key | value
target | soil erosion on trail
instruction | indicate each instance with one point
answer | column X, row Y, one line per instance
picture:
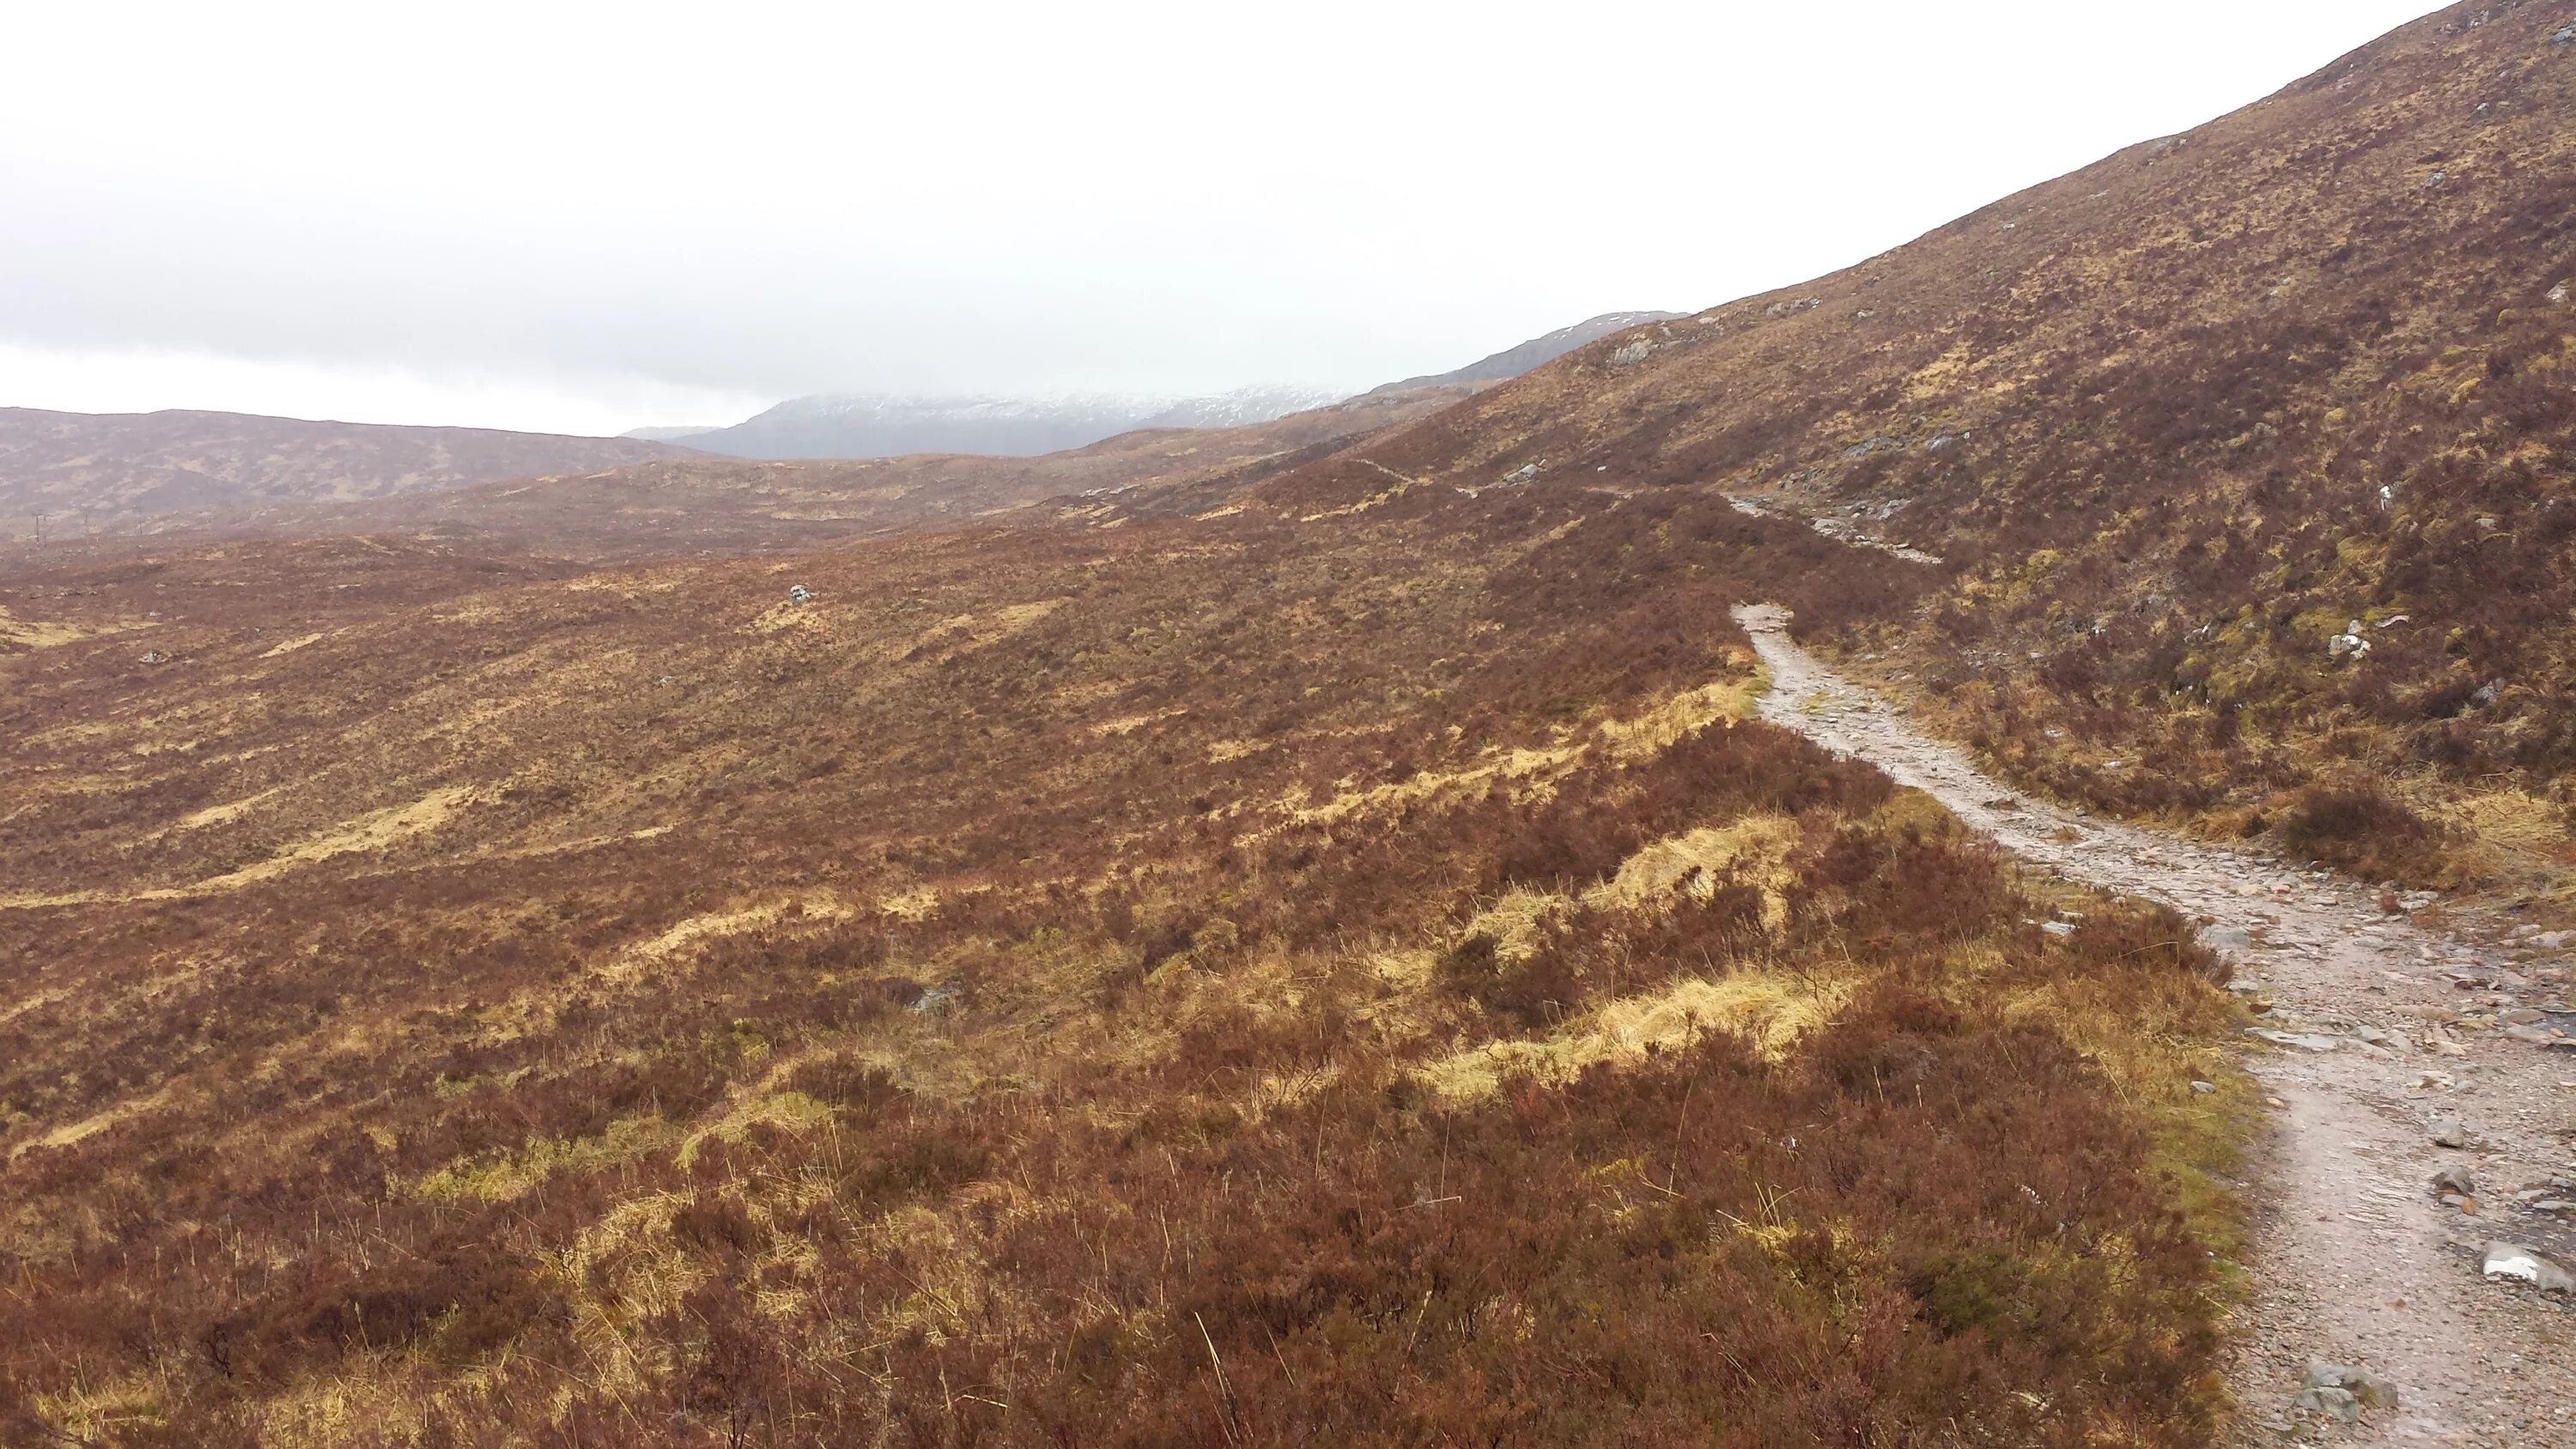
column 2357, row 1262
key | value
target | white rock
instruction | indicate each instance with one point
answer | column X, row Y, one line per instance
column 2514, row 1261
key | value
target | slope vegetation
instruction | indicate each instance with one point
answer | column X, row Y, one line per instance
column 1248, row 978
column 1316, row 947
column 2162, row 430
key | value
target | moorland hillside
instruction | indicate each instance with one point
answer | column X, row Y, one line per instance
column 1223, row 979
column 2162, row 430
column 1320, row 949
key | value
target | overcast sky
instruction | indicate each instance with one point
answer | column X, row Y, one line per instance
column 588, row 217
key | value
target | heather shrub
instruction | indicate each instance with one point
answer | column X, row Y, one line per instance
column 2353, row 822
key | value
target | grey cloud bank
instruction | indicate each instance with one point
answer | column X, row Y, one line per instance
column 571, row 214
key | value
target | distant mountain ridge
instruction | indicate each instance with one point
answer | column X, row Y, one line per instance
column 1511, row 362
column 117, row 471
column 889, row 425
column 882, row 425
column 666, row 435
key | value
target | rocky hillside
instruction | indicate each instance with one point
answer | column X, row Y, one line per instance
column 87, row 473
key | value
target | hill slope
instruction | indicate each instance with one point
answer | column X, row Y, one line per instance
column 109, row 473
column 1319, row 953
column 1375, row 953
column 2168, row 425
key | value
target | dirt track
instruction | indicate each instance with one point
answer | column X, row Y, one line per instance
column 2356, row 1261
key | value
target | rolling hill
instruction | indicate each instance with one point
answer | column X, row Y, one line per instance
column 698, row 505
column 87, row 473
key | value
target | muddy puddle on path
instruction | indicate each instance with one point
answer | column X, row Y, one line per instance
column 2386, row 1036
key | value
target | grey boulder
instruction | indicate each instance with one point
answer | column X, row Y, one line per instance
column 2516, row 1263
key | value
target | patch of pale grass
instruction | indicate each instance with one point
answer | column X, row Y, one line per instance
column 1770, row 1009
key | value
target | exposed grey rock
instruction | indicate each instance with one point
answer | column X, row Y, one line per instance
column 2227, row 938
column 2514, row 1262
column 2343, row 1404
column 799, row 594
column 2448, row 1132
column 2304, row 1041
column 2204, row 1088
column 2455, row 1180
column 2358, row 1384
column 2565, row 36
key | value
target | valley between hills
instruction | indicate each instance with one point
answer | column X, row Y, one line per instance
column 1977, row 851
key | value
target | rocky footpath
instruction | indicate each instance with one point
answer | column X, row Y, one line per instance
column 2410, row 1273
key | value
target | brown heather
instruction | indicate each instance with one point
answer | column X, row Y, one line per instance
column 1309, row 949
column 1214, row 981
column 2172, row 422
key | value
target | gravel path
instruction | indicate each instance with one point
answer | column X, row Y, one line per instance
column 2390, row 1035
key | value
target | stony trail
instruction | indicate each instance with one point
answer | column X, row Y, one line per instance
column 2390, row 1035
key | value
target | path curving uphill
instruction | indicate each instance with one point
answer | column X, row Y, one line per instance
column 2357, row 1262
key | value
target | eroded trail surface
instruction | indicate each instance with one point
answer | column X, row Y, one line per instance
column 2388, row 1040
